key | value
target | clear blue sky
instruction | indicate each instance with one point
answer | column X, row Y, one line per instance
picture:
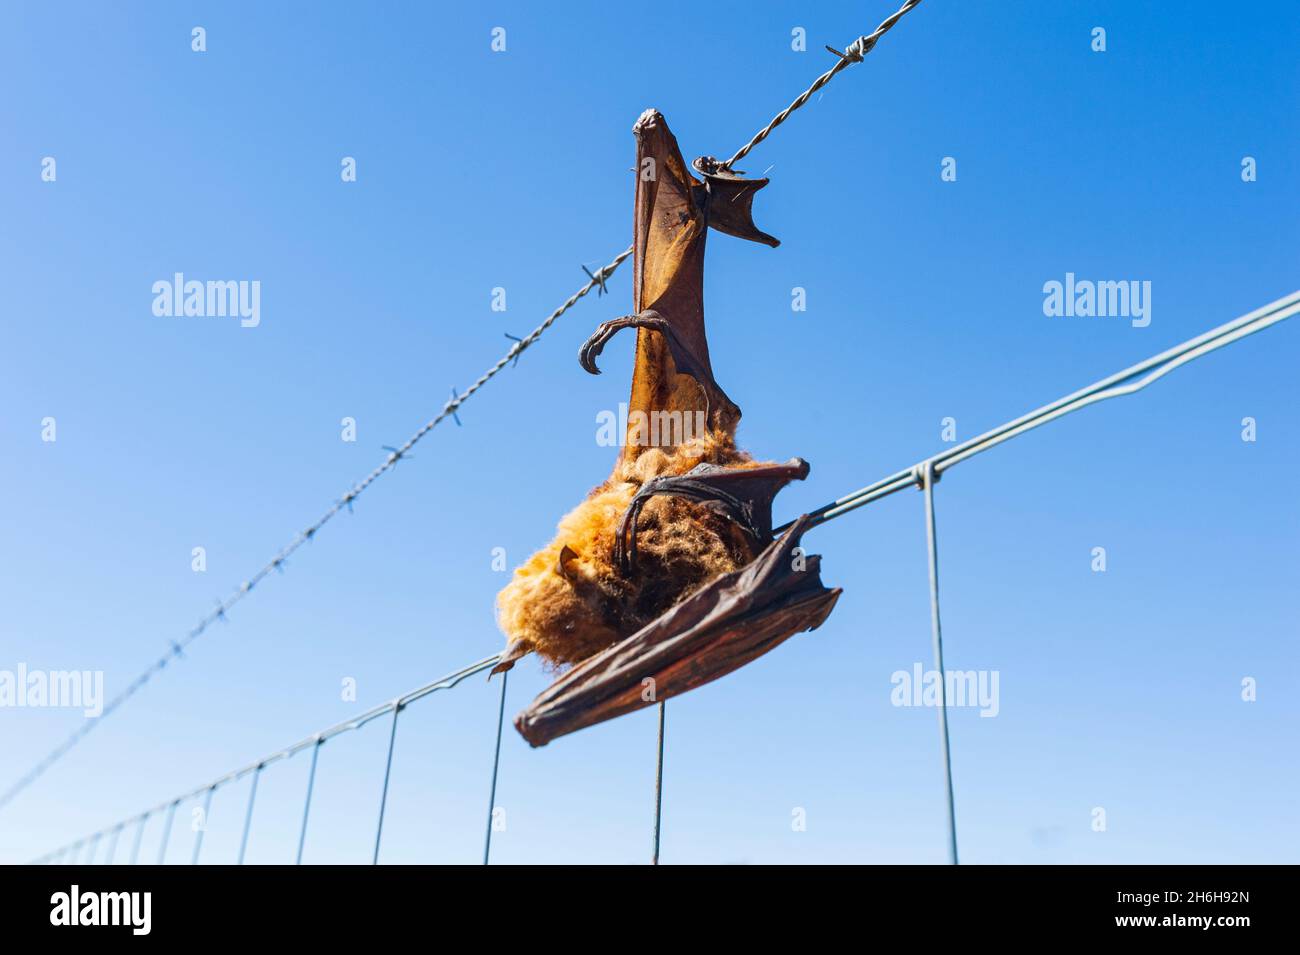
column 478, row 170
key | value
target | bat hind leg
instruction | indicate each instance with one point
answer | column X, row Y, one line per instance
column 744, row 495
column 685, row 360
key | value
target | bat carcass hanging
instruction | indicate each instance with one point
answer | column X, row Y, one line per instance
column 667, row 572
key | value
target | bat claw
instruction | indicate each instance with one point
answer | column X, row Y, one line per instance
column 683, row 358
column 509, row 656
column 594, row 345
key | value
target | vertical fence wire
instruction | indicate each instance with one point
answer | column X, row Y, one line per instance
column 139, row 834
column 167, row 831
column 659, row 785
column 388, row 772
column 496, row 763
column 306, row 807
column 203, row 825
column 112, row 844
column 936, row 633
column 248, row 816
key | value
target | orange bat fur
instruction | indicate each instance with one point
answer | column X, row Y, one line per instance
column 570, row 600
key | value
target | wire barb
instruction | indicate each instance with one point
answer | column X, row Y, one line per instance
column 394, row 455
column 598, row 278
column 451, row 406
column 516, row 351
column 853, row 53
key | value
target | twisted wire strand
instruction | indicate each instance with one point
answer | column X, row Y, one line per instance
column 853, row 53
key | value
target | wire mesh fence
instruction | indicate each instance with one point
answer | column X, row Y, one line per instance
column 923, row 475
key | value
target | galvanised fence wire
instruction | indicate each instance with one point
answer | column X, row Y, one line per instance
column 923, row 475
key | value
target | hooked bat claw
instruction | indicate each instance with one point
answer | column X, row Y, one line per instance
column 594, row 345
column 683, row 358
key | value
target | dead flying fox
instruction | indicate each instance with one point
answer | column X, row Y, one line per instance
column 666, row 576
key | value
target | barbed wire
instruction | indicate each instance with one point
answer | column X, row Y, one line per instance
column 276, row 564
column 852, row 54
